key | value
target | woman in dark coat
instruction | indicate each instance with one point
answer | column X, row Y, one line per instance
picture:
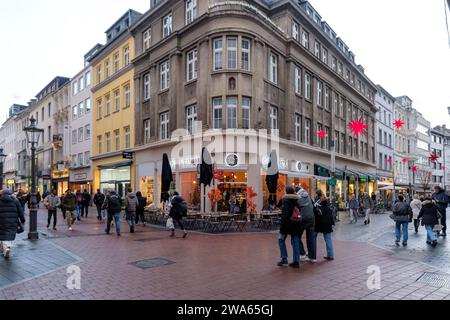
column 10, row 214
column 429, row 216
column 289, row 227
column 324, row 224
column 177, row 212
column 141, row 207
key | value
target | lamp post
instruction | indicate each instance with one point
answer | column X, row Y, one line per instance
column 2, row 160
column 33, row 133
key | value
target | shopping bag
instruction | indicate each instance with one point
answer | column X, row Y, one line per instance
column 437, row 228
column 169, row 224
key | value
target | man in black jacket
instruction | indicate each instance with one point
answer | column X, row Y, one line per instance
column 99, row 199
column 85, row 203
column 442, row 200
column 11, row 214
column 177, row 212
column 113, row 206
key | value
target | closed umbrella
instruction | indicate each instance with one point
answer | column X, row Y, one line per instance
column 272, row 177
column 206, row 173
column 166, row 178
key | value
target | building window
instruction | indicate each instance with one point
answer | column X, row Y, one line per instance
column 87, row 158
column 74, row 137
column 49, row 109
column 87, row 105
column 88, row 79
column 99, row 74
column 81, row 109
column 325, row 56
column 74, row 112
column 319, row 93
column 232, row 53
column 147, row 131
column 342, row 144
column 147, row 86
column 126, row 56
column 246, row 49
column 99, row 109
column 298, row 80
column 127, row 131
column 317, row 49
column 191, row 64
column 341, row 107
column 305, row 39
column 80, row 134
column 107, row 69
column 232, row 112
column 167, row 25
column 334, row 63
column 347, row 74
column 340, row 68
column 147, row 39
column 273, row 68
column 117, row 140
column 116, row 62
column 246, row 106
column 273, row 119
column 127, row 96
column 191, row 10
column 107, row 105
column 217, row 105
column 43, row 114
column 117, row 100
column 327, row 138
column 165, row 76
column 352, row 81
column 295, row 30
column 80, row 159
column 87, row 132
column 307, row 131
column 75, row 88
column 327, row 98
column 81, row 84
column 307, row 86
column 191, row 117
column 320, row 141
column 108, row 142
column 298, row 128
column 164, row 126
column 99, row 144
column 218, row 53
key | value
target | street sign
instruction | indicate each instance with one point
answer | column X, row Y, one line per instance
column 127, row 155
column 10, row 182
column 332, row 182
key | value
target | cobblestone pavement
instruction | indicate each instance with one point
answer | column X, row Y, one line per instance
column 232, row 266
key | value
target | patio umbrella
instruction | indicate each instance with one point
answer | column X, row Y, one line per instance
column 206, row 173
column 272, row 177
column 166, row 178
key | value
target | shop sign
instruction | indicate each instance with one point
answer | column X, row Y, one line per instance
column 10, row 182
column 232, row 160
column 188, row 162
column 80, row 177
column 127, row 155
column 300, row 167
column 332, row 182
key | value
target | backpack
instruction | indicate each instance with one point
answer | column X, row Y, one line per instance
column 79, row 198
column 114, row 204
column 132, row 204
column 296, row 215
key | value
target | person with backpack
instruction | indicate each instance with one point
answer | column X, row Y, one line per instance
column 402, row 215
column 11, row 215
column 52, row 203
column 429, row 213
column 307, row 225
column 99, row 199
column 141, row 208
column 114, row 208
column 79, row 208
column 353, row 207
column 69, row 204
column 131, row 206
column 178, row 210
column 324, row 224
column 290, row 225
column 85, row 203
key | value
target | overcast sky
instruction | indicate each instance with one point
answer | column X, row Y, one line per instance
column 402, row 44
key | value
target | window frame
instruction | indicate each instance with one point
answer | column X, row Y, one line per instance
column 232, row 109
column 164, row 72
column 191, row 118
column 167, row 22
column 192, row 63
column 246, row 112
column 164, row 122
column 218, row 52
column 191, row 11
column 146, row 88
column 273, row 68
column 215, row 108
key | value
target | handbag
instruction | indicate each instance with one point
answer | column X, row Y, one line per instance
column 170, row 225
column 20, row 228
column 296, row 215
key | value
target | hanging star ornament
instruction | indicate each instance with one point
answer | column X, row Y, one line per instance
column 399, row 124
column 405, row 160
column 433, row 157
column 322, row 134
column 443, row 167
column 389, row 160
column 414, row 169
column 358, row 127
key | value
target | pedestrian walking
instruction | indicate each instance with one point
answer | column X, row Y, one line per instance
column 114, row 208
column 367, row 206
column 131, row 206
column 69, row 204
column 52, row 202
column 11, row 217
column 429, row 213
column 307, row 226
column 353, row 206
column 178, row 210
column 324, row 223
column 416, row 206
column 86, row 203
column 99, row 199
column 442, row 200
column 141, row 208
column 290, row 225
column 22, row 197
column 79, row 207
column 63, row 209
column 402, row 216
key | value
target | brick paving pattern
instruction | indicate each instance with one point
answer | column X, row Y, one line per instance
column 232, row 266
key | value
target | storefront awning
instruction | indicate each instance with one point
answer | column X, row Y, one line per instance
column 115, row 165
column 324, row 171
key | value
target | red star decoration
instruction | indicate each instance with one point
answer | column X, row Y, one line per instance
column 433, row 157
column 399, row 124
column 414, row 169
column 389, row 160
column 405, row 160
column 358, row 127
column 443, row 167
column 322, row 134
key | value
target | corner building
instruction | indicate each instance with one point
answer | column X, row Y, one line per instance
column 261, row 65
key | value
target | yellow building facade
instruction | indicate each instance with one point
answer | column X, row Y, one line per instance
column 113, row 115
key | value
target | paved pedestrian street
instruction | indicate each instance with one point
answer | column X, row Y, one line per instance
column 151, row 265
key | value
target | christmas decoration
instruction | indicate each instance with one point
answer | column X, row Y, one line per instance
column 250, row 194
column 405, row 160
column 322, row 134
column 443, row 167
column 399, row 124
column 214, row 196
column 358, row 127
column 389, row 160
column 414, row 169
column 433, row 157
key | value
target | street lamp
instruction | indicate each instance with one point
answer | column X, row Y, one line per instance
column 2, row 160
column 33, row 133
